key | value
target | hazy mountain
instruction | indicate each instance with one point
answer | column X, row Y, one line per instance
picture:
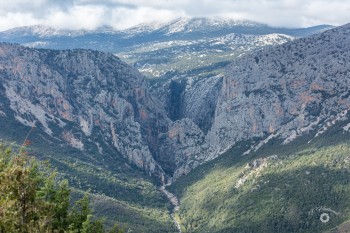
column 160, row 50
column 111, row 40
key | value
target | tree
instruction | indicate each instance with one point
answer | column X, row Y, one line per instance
column 33, row 200
column 22, row 209
column 92, row 226
column 116, row 229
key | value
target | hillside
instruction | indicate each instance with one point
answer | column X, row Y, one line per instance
column 63, row 95
column 298, row 187
column 278, row 92
column 285, row 111
column 285, row 90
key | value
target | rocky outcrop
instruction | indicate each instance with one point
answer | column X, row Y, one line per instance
column 278, row 92
column 76, row 95
column 200, row 100
column 285, row 90
column 183, row 147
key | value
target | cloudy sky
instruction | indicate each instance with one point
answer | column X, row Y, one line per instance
column 89, row 14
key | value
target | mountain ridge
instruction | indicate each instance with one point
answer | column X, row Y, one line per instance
column 276, row 92
column 186, row 24
column 273, row 65
column 46, row 37
column 206, row 129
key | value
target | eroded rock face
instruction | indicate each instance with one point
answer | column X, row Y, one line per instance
column 84, row 93
column 200, row 100
column 284, row 89
column 80, row 95
column 186, row 144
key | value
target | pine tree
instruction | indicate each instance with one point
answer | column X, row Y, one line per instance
column 32, row 199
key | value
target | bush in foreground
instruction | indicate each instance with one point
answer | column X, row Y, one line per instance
column 32, row 199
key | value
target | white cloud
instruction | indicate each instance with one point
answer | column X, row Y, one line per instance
column 16, row 19
column 125, row 17
column 87, row 17
column 90, row 14
column 333, row 12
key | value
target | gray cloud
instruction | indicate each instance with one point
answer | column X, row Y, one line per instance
column 90, row 14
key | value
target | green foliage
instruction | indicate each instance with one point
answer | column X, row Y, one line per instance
column 92, row 226
column 61, row 198
column 32, row 200
column 22, row 209
column 119, row 193
column 279, row 188
column 116, row 229
column 80, row 214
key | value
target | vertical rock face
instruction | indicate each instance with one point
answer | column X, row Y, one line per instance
column 183, row 147
column 285, row 89
column 282, row 91
column 76, row 95
column 200, row 101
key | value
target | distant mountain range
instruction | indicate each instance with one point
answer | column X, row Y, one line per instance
column 115, row 41
column 158, row 49
column 184, row 50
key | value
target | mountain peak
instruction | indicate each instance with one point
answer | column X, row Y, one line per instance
column 186, row 24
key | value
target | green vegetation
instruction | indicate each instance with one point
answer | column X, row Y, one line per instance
column 118, row 192
column 33, row 200
column 276, row 189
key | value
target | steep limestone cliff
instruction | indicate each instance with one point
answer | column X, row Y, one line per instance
column 284, row 90
column 75, row 95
